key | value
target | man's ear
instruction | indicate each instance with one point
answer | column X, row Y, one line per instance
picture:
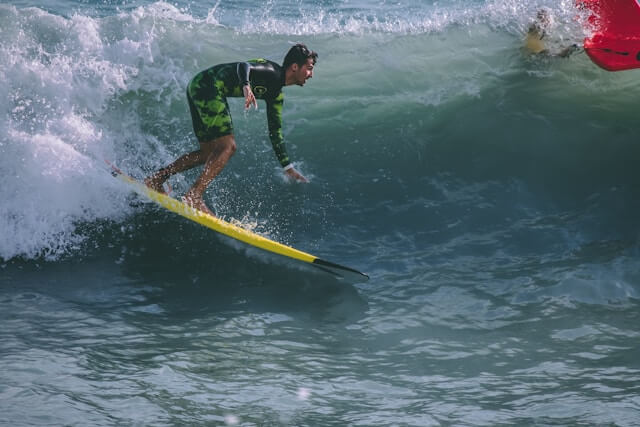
column 294, row 67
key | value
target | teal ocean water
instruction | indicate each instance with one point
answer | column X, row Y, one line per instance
column 491, row 196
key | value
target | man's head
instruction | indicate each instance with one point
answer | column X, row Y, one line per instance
column 541, row 24
column 543, row 19
column 298, row 64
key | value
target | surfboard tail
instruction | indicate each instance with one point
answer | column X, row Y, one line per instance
column 615, row 25
column 613, row 54
column 340, row 271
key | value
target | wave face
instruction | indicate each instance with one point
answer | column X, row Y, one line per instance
column 410, row 101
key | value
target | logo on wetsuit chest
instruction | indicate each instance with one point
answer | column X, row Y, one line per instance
column 259, row 90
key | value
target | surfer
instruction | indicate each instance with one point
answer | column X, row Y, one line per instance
column 535, row 39
column 207, row 97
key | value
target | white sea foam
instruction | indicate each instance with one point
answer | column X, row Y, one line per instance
column 59, row 75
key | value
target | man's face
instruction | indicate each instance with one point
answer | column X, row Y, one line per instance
column 304, row 72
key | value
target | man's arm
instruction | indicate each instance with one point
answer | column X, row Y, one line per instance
column 274, row 120
column 243, row 69
column 568, row 51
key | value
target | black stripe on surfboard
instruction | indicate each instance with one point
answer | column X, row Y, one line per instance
column 331, row 266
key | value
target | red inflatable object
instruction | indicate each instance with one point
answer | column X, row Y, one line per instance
column 615, row 43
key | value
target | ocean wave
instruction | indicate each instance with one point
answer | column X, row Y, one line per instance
column 437, row 92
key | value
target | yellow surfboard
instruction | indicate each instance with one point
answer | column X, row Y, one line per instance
column 236, row 232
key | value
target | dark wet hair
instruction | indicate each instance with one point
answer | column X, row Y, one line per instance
column 299, row 54
column 541, row 23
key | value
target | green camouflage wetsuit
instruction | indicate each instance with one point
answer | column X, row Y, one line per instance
column 208, row 91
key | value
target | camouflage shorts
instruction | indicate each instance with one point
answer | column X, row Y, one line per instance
column 209, row 109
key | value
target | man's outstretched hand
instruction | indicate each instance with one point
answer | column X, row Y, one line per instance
column 294, row 174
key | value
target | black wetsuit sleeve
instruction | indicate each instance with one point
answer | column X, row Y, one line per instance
column 274, row 120
column 243, row 69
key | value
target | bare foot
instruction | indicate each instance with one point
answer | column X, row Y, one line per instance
column 197, row 203
column 155, row 183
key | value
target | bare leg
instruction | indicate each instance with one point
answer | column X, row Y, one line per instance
column 218, row 152
column 183, row 163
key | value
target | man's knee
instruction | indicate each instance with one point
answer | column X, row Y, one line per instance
column 227, row 144
column 224, row 144
column 230, row 145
